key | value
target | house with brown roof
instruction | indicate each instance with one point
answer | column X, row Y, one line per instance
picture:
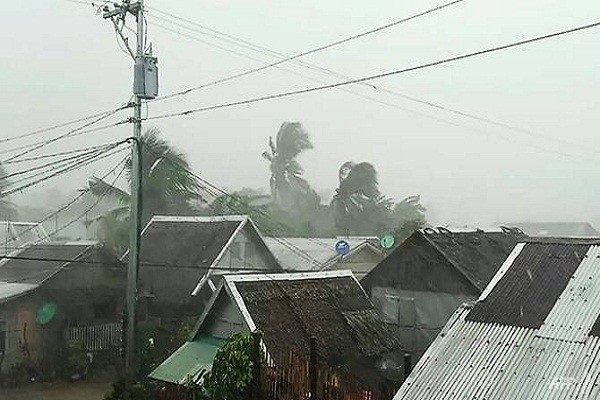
column 534, row 332
column 54, row 292
column 420, row 284
column 183, row 257
column 289, row 310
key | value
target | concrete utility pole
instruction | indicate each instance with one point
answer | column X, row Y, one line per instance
column 145, row 86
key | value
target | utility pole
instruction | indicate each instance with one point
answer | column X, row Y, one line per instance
column 145, row 86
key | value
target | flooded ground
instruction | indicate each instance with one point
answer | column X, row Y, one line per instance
column 84, row 390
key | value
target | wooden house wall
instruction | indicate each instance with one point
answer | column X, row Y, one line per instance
column 223, row 320
column 417, row 289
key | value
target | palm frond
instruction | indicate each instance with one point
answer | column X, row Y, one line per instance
column 292, row 139
column 361, row 179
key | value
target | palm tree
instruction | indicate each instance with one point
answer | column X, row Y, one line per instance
column 358, row 206
column 167, row 188
column 408, row 216
column 288, row 187
column 8, row 211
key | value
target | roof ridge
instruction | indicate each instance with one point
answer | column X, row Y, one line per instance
column 450, row 261
column 288, row 276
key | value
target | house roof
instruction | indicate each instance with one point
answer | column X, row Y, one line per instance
column 18, row 234
column 331, row 306
column 557, row 229
column 10, row 290
column 309, row 254
column 31, row 269
column 187, row 241
column 33, row 265
column 476, row 254
column 532, row 334
column 189, row 362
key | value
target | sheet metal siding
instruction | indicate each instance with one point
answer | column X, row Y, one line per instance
column 489, row 361
column 578, row 307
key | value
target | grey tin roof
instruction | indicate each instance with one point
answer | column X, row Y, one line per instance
column 308, row 254
column 486, row 359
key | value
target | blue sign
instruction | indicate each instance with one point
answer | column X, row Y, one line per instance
column 342, row 247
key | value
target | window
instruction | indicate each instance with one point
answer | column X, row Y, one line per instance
column 406, row 311
column 399, row 310
column 390, row 308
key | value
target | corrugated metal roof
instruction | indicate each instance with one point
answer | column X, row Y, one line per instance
column 478, row 360
column 307, row 254
column 188, row 363
column 32, row 268
column 475, row 254
column 563, row 229
column 532, row 284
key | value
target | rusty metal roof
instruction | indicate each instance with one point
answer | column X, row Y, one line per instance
column 488, row 358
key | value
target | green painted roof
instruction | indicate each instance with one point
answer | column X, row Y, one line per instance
column 189, row 361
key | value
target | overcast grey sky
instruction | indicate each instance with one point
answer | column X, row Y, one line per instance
column 61, row 61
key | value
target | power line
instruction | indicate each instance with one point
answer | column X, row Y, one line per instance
column 146, row 264
column 216, row 192
column 378, row 76
column 31, row 145
column 69, row 133
column 60, row 172
column 61, row 153
column 98, row 200
column 303, row 54
column 76, row 157
column 59, row 165
column 57, row 126
column 71, row 202
column 410, row 98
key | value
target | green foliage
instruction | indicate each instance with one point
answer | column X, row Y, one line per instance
column 183, row 333
column 139, row 391
column 77, row 360
column 234, row 368
column 358, row 207
column 408, row 216
column 288, row 188
column 167, row 188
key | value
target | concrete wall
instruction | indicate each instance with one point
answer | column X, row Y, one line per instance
column 19, row 321
column 85, row 294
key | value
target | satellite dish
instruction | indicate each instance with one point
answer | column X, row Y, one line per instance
column 46, row 313
column 342, row 247
column 387, row 242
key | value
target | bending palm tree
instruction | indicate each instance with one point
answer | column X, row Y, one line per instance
column 288, row 187
column 358, row 206
column 167, row 188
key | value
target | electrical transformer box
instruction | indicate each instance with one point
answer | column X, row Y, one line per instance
column 145, row 77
